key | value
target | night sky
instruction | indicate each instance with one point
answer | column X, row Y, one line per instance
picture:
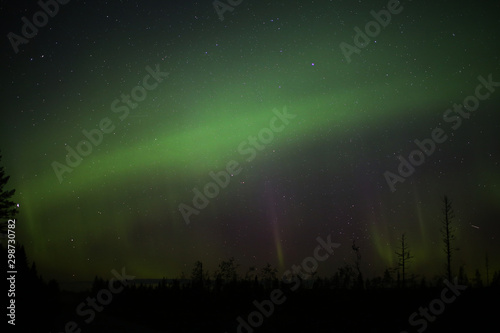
column 308, row 132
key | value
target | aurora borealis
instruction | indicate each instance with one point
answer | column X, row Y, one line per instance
column 322, row 174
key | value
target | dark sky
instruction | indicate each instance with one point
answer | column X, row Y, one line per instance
column 117, row 112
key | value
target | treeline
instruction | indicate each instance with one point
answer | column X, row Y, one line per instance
column 202, row 299
column 214, row 301
column 347, row 277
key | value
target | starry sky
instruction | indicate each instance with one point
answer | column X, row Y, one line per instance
column 214, row 89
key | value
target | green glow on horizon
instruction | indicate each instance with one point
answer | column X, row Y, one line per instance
column 120, row 205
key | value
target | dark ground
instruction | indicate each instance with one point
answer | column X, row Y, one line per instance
column 303, row 310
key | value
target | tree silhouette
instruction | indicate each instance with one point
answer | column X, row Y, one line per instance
column 251, row 273
column 447, row 233
column 495, row 282
column 357, row 264
column 35, row 302
column 344, row 278
column 403, row 258
column 462, row 276
column 387, row 280
column 226, row 273
column 227, row 270
column 478, row 281
column 198, row 275
column 268, row 272
column 7, row 207
column 268, row 275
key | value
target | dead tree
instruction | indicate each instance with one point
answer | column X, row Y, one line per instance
column 358, row 264
column 403, row 258
column 448, row 233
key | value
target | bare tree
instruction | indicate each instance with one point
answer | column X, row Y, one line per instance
column 448, row 233
column 403, row 258
column 357, row 264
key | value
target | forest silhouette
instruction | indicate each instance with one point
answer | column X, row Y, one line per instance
column 227, row 302
column 259, row 300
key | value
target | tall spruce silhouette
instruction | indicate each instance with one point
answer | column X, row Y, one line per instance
column 7, row 207
column 447, row 233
